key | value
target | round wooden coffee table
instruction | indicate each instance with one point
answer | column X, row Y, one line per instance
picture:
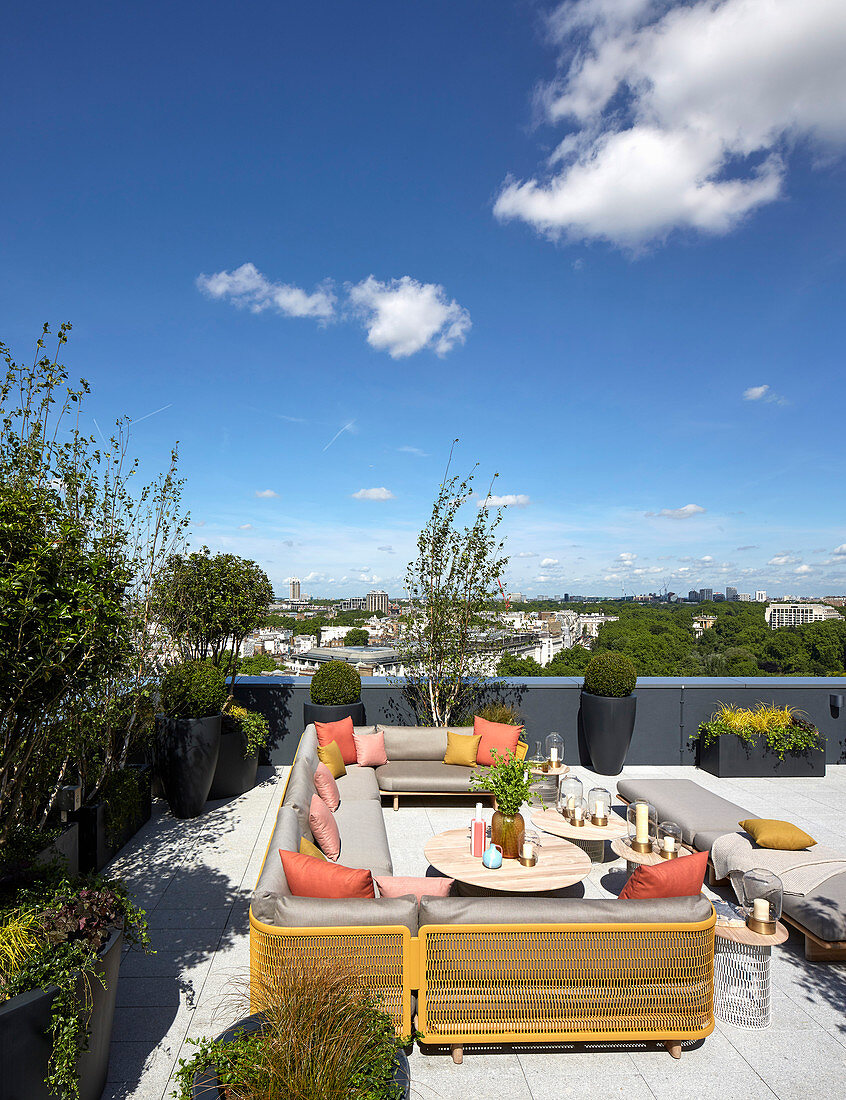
column 590, row 838
column 560, row 864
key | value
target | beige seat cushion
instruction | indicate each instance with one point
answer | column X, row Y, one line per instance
column 431, row 776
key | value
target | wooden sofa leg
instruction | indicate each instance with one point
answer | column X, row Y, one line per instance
column 674, row 1047
column 396, row 802
column 457, row 1052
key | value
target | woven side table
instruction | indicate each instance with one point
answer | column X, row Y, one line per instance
column 742, row 974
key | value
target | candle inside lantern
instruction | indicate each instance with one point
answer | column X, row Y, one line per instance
column 553, row 756
column 571, row 802
column 528, row 850
column 600, row 810
column 669, row 843
column 761, row 909
column 641, row 823
column 578, row 813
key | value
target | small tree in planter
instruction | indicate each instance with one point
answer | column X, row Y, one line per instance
column 188, row 734
column 607, row 710
column 335, row 693
column 243, row 734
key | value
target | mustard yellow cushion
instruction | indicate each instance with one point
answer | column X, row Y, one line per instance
column 521, row 750
column 776, row 834
column 331, row 756
column 309, row 849
column 462, row 749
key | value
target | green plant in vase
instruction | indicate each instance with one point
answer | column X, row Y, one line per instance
column 510, row 782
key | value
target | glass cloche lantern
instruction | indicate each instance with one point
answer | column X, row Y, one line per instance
column 669, row 839
column 763, row 894
column 599, row 805
column 643, row 825
column 555, row 750
column 570, row 791
column 579, row 813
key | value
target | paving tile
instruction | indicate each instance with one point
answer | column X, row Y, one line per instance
column 813, row 1065
column 155, row 992
column 165, row 917
column 494, row 1076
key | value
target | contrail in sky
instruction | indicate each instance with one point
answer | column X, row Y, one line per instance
column 341, row 431
column 155, row 411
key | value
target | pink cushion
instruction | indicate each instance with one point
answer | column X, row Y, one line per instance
column 326, row 787
column 391, row 886
column 673, row 878
column 370, row 749
column 325, row 828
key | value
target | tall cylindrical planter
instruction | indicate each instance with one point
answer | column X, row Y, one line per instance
column 608, row 724
column 234, row 773
column 315, row 712
column 186, row 757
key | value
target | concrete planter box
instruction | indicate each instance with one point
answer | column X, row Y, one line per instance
column 234, row 773
column 729, row 757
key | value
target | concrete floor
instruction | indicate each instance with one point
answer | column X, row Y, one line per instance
column 194, row 879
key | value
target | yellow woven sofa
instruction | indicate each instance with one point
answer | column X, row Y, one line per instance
column 487, row 970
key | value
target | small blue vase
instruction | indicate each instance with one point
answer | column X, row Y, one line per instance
column 492, row 857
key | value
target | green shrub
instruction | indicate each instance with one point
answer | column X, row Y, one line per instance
column 500, row 712
column 335, row 684
column 256, row 665
column 610, row 674
column 782, row 728
column 252, row 726
column 123, row 796
column 194, row 689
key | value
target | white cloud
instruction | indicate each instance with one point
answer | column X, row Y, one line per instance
column 840, row 551
column 532, row 554
column 547, row 563
column 781, row 559
column 380, row 493
column 803, row 569
column 764, row 393
column 626, row 555
column 510, row 500
column 707, row 558
column 685, row 512
column 683, row 113
column 416, row 451
column 404, row 316
column 266, row 494
column 245, row 527
column 202, row 523
column 247, row 288
column 386, row 549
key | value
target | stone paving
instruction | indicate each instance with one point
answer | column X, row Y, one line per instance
column 194, row 878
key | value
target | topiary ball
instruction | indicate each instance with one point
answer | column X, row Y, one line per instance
column 610, row 674
column 194, row 689
column 335, row 684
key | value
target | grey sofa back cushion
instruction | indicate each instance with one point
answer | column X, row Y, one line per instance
column 415, row 742
column 529, row 910
column 300, row 788
column 272, row 883
column 291, row 912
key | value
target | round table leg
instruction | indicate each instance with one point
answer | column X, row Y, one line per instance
column 593, row 849
column 742, row 984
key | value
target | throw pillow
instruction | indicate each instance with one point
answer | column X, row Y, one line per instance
column 521, row 750
column 672, row 878
column 391, row 886
column 309, row 849
column 495, row 735
column 342, row 732
column 330, row 755
column 325, row 828
column 314, row 878
column 462, row 749
column 370, row 749
column 326, row 787
column 776, row 834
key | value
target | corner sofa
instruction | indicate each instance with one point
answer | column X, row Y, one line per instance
column 703, row 816
column 479, row 969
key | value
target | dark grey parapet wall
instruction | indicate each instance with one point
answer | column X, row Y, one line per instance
column 669, row 709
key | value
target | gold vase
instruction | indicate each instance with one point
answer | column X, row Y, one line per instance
column 507, row 831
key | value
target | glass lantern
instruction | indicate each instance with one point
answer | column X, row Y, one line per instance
column 599, row 805
column 669, row 839
column 579, row 814
column 529, row 848
column 762, row 897
column 555, row 750
column 643, row 825
column 569, row 791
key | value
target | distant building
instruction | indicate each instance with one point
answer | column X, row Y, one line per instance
column 796, row 614
column 693, row 596
column 744, row 597
column 295, row 588
column 702, row 623
column 354, row 603
column 731, row 593
column 761, row 596
column 377, row 601
column 706, row 594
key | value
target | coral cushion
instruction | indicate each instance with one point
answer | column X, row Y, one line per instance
column 370, row 749
column 326, row 787
column 324, row 827
column 462, row 749
column 309, row 849
column 495, row 735
column 342, row 732
column 314, row 878
column 330, row 755
column 672, row 878
column 391, row 886
column 776, row 834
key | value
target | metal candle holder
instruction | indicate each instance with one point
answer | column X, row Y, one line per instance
column 527, row 862
column 641, row 846
column 667, row 855
column 601, row 822
column 762, row 927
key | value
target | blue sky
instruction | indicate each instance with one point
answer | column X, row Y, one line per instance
column 601, row 243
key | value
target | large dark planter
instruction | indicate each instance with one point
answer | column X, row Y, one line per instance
column 233, row 775
column 26, row 1044
column 186, row 758
column 65, row 848
column 96, row 844
column 314, row 712
column 729, row 756
column 608, row 724
column 207, row 1084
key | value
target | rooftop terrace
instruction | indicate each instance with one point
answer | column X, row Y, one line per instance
column 195, row 879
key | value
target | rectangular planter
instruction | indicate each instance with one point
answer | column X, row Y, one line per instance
column 96, row 847
column 65, row 847
column 729, row 757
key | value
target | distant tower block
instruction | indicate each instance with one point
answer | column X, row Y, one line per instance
column 295, row 588
column 377, row 601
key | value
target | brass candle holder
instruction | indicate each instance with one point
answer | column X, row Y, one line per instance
column 641, row 846
column 530, row 862
column 664, row 854
column 762, row 927
column 600, row 822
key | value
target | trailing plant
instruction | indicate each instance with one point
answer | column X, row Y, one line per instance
column 509, row 781
column 783, row 728
column 335, row 684
column 610, row 674
column 194, row 689
column 252, row 726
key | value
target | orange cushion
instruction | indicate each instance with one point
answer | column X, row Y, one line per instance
column 495, row 735
column 315, row 878
column 342, row 732
column 324, row 827
column 326, row 787
column 672, row 878
column 396, row 886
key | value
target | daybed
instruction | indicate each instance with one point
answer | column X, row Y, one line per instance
column 481, row 970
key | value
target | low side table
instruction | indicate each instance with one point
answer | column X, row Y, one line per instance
column 590, row 838
column 742, row 974
column 620, row 847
